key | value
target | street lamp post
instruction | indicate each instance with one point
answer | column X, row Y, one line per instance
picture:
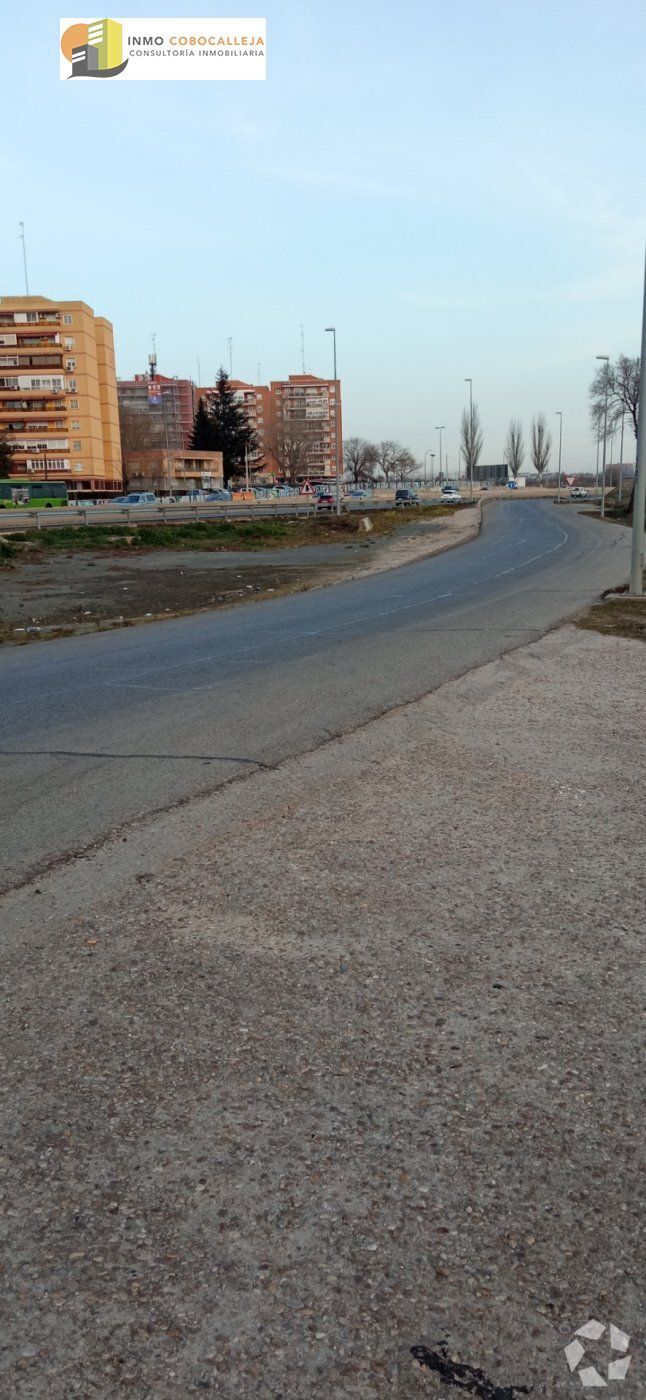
column 560, row 418
column 331, row 330
column 427, row 453
column 470, row 461
column 605, row 434
column 439, row 428
column 639, row 497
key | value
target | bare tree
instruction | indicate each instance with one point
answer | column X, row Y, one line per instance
column 405, row 465
column 621, row 378
column 386, row 457
column 471, row 439
column 515, row 447
column 290, row 446
column 138, row 432
column 359, row 458
column 541, row 444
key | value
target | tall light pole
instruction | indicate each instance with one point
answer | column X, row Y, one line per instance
column 439, row 428
column 331, row 330
column 560, row 418
column 605, row 434
column 470, row 461
column 427, row 453
column 639, row 498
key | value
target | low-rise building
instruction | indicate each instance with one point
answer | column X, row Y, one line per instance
column 169, row 472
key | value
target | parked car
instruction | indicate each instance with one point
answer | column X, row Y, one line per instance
column 138, row 498
column 405, row 497
column 357, row 492
column 219, row 495
column 451, row 495
column 325, row 501
column 578, row 493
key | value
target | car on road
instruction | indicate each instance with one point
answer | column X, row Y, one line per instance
column 578, row 493
column 325, row 501
column 138, row 498
column 405, row 497
column 451, row 495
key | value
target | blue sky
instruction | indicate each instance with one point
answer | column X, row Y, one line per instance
column 458, row 188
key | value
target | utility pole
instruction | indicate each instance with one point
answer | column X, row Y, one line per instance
column 439, row 428
column 21, row 236
column 639, row 498
column 560, row 418
column 605, row 434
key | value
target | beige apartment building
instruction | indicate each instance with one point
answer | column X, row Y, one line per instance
column 58, row 394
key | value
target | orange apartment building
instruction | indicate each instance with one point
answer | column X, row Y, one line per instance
column 303, row 406
column 58, row 393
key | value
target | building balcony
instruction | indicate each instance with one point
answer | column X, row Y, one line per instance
column 9, row 407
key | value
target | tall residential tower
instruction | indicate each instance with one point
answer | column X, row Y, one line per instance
column 58, row 393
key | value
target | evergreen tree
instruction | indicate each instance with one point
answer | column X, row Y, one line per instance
column 232, row 435
column 203, row 435
column 6, row 455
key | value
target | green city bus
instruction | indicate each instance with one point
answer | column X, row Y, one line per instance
column 19, row 492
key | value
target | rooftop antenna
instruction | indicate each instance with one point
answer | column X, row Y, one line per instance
column 230, row 345
column 258, row 368
column 303, row 348
column 152, row 359
column 21, row 236
column 199, row 372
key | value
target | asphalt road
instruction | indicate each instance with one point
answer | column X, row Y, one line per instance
column 102, row 729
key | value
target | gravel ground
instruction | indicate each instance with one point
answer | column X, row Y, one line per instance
column 342, row 1062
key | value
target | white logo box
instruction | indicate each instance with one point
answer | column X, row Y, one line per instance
column 177, row 49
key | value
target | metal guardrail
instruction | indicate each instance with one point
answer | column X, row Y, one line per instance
column 53, row 518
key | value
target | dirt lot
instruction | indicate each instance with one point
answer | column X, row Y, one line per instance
column 114, row 581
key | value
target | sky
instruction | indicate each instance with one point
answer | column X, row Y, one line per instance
column 458, row 188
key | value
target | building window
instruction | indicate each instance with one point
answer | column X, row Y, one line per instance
column 76, row 423
column 69, row 342
column 77, row 446
column 71, row 384
column 67, row 319
column 32, row 316
column 70, row 364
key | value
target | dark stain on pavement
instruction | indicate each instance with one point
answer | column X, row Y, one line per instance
column 464, row 1377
